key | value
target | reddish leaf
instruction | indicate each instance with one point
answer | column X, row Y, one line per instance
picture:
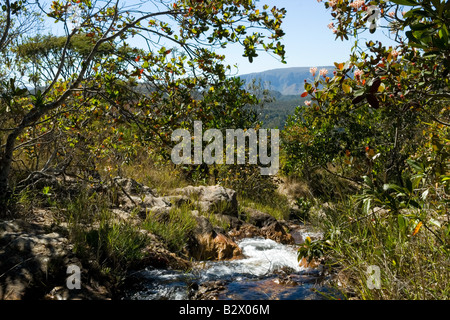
column 375, row 85
column 304, row 94
column 373, row 101
column 358, row 99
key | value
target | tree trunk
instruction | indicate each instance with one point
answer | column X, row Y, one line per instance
column 7, row 154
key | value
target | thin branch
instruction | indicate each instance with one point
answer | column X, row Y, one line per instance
column 4, row 38
column 30, row 142
column 340, row 176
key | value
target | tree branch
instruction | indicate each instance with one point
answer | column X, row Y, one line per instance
column 3, row 40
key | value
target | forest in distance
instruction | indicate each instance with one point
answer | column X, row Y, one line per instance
column 93, row 205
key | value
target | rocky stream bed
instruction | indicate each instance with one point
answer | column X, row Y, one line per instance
column 255, row 258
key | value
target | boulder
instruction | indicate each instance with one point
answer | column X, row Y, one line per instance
column 276, row 232
column 134, row 195
column 214, row 199
column 208, row 290
column 258, row 218
column 207, row 243
column 29, row 260
column 247, row 230
column 132, row 187
column 261, row 224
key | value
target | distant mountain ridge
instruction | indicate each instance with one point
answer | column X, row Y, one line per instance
column 287, row 81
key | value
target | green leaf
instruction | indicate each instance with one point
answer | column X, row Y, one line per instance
column 346, row 88
column 391, row 186
column 405, row 2
column 425, row 194
column 418, row 167
column 419, row 26
column 366, row 206
column 402, row 223
column 416, row 12
column 368, row 181
column 409, row 185
column 443, row 34
column 414, row 204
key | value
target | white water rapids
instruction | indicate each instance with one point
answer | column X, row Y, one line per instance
column 252, row 277
column 261, row 257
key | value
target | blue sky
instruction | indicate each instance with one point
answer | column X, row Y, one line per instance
column 308, row 40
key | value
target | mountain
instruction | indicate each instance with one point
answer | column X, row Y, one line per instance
column 287, row 81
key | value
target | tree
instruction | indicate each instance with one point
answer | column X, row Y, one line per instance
column 175, row 59
column 375, row 111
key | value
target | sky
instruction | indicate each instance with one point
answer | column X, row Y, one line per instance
column 308, row 41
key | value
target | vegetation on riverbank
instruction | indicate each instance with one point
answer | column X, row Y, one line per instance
column 385, row 130
column 368, row 149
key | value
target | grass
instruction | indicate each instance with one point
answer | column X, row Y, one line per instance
column 411, row 266
column 147, row 169
column 110, row 245
column 276, row 205
column 174, row 228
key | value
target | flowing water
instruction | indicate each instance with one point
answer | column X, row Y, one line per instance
column 268, row 270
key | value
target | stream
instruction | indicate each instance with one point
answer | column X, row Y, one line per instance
column 267, row 271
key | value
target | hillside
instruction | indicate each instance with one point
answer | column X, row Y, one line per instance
column 287, row 81
column 285, row 86
column 275, row 113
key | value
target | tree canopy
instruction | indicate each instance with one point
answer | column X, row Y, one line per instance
column 150, row 64
column 384, row 104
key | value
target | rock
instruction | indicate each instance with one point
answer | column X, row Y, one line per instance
column 230, row 221
column 122, row 216
column 215, row 199
column 29, row 259
column 276, row 232
column 132, row 187
column 209, row 290
column 273, row 231
column 134, row 195
column 258, row 218
column 317, row 213
column 34, row 261
column 314, row 263
column 261, row 224
column 246, row 230
column 208, row 244
column 158, row 256
column 177, row 200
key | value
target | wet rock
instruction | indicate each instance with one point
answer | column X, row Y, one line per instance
column 261, row 224
column 313, row 264
column 276, row 232
column 247, row 230
column 209, row 290
column 273, row 231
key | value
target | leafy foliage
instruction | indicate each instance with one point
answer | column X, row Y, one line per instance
column 381, row 121
column 92, row 80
